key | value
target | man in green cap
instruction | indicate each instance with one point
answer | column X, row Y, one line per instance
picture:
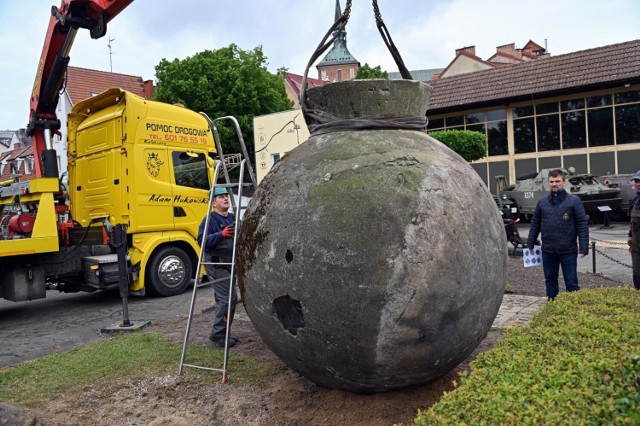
column 218, row 247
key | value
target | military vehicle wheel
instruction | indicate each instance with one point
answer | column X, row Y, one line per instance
column 169, row 272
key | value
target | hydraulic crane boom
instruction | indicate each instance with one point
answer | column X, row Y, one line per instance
column 63, row 26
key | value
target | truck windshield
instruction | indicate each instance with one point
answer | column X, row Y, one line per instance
column 190, row 170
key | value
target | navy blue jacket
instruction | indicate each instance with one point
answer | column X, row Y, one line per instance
column 217, row 223
column 561, row 219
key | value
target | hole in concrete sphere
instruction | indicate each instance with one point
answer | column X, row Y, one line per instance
column 289, row 312
column 288, row 256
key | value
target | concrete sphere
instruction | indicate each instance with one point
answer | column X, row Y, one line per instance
column 372, row 260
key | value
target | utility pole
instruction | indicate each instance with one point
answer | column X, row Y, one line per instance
column 110, row 53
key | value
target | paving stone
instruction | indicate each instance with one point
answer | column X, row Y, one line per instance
column 517, row 310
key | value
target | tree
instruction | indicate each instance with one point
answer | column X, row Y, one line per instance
column 366, row 73
column 227, row 81
column 468, row 144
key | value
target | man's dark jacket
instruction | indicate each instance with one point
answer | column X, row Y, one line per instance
column 561, row 219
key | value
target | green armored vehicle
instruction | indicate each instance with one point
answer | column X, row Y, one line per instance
column 528, row 189
column 627, row 191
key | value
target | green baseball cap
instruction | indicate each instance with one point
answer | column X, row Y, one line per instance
column 220, row 191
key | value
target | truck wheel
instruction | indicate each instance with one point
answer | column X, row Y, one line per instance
column 169, row 272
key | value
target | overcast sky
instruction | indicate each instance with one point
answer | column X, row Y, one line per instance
column 425, row 32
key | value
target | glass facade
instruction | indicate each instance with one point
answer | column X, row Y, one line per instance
column 546, row 131
column 493, row 124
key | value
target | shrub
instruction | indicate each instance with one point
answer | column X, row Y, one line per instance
column 577, row 362
column 468, row 144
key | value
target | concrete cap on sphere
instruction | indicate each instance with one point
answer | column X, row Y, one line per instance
column 370, row 98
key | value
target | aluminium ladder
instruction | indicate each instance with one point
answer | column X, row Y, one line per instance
column 226, row 166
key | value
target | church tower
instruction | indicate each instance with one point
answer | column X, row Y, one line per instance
column 338, row 64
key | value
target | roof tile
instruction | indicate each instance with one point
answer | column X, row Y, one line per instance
column 84, row 83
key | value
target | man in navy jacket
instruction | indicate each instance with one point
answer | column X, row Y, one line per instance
column 561, row 219
column 218, row 248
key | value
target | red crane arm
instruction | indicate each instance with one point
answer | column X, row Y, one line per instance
column 63, row 26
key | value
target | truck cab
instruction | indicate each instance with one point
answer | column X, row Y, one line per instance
column 141, row 164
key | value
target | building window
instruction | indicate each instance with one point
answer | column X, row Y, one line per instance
column 28, row 165
column 339, row 75
column 573, row 123
column 497, row 138
column 599, row 101
column 572, row 104
column 628, row 124
column 524, row 135
column 573, row 130
column 548, row 132
column 627, row 97
column 522, row 111
column 453, row 122
column 492, row 124
column 476, row 117
column 436, row 124
column 547, row 108
column 600, row 126
column 274, row 159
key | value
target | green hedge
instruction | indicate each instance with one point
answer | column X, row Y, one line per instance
column 576, row 363
column 468, row 144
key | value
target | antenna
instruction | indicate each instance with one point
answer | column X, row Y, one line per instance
column 110, row 53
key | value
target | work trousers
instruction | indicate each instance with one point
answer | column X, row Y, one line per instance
column 551, row 263
column 221, row 290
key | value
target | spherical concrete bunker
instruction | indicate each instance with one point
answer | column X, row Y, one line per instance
column 372, row 260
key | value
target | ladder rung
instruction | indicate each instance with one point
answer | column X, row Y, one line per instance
column 199, row 367
column 233, row 185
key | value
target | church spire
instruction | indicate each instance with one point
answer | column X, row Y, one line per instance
column 338, row 55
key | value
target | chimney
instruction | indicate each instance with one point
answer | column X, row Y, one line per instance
column 507, row 48
column 468, row 49
column 149, row 89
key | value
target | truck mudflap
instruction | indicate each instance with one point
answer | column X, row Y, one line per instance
column 24, row 283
